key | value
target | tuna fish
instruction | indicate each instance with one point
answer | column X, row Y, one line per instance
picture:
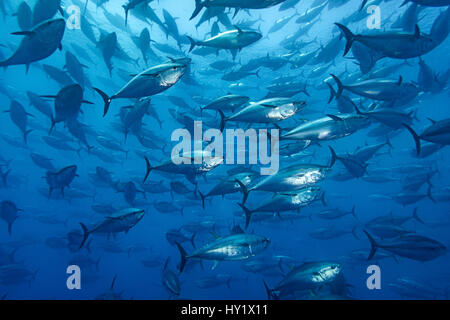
column 392, row 45
column 233, row 40
column 121, row 221
column 60, row 179
column 20, row 118
column 414, row 247
column 37, row 44
column 236, row 4
column 235, row 247
column 147, row 83
column 438, row 132
column 8, row 213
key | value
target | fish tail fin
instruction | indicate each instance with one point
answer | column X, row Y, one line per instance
column 332, row 92
column 357, row 110
column 85, row 234
column 305, row 90
column 149, row 168
column 268, row 291
column 404, row 2
column 388, row 142
column 429, row 193
column 198, row 7
column 52, row 125
column 88, row 248
column 363, row 4
column 183, row 256
column 223, row 119
column 203, row 197
column 193, row 43
column 339, row 84
column 126, row 13
column 349, row 37
column 333, row 157
column 106, row 100
column 33, row 276
column 355, row 235
column 113, row 282
column 322, row 198
column 97, row 263
column 244, row 190
column 270, row 294
column 415, row 136
column 374, row 245
column 229, row 283
column 25, row 135
column 5, row 177
column 11, row 256
column 10, row 227
column 248, row 214
column 192, row 239
column 353, row 212
column 416, row 216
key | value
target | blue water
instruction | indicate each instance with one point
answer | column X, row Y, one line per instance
column 43, row 219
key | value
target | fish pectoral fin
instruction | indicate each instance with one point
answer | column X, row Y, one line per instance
column 269, row 106
column 154, row 75
column 216, row 263
column 23, row 33
column 335, row 118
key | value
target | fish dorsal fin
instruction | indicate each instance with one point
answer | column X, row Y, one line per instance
column 432, row 121
column 335, row 118
column 239, row 30
column 237, row 230
column 214, row 235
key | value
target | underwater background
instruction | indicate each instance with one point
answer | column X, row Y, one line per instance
column 46, row 233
